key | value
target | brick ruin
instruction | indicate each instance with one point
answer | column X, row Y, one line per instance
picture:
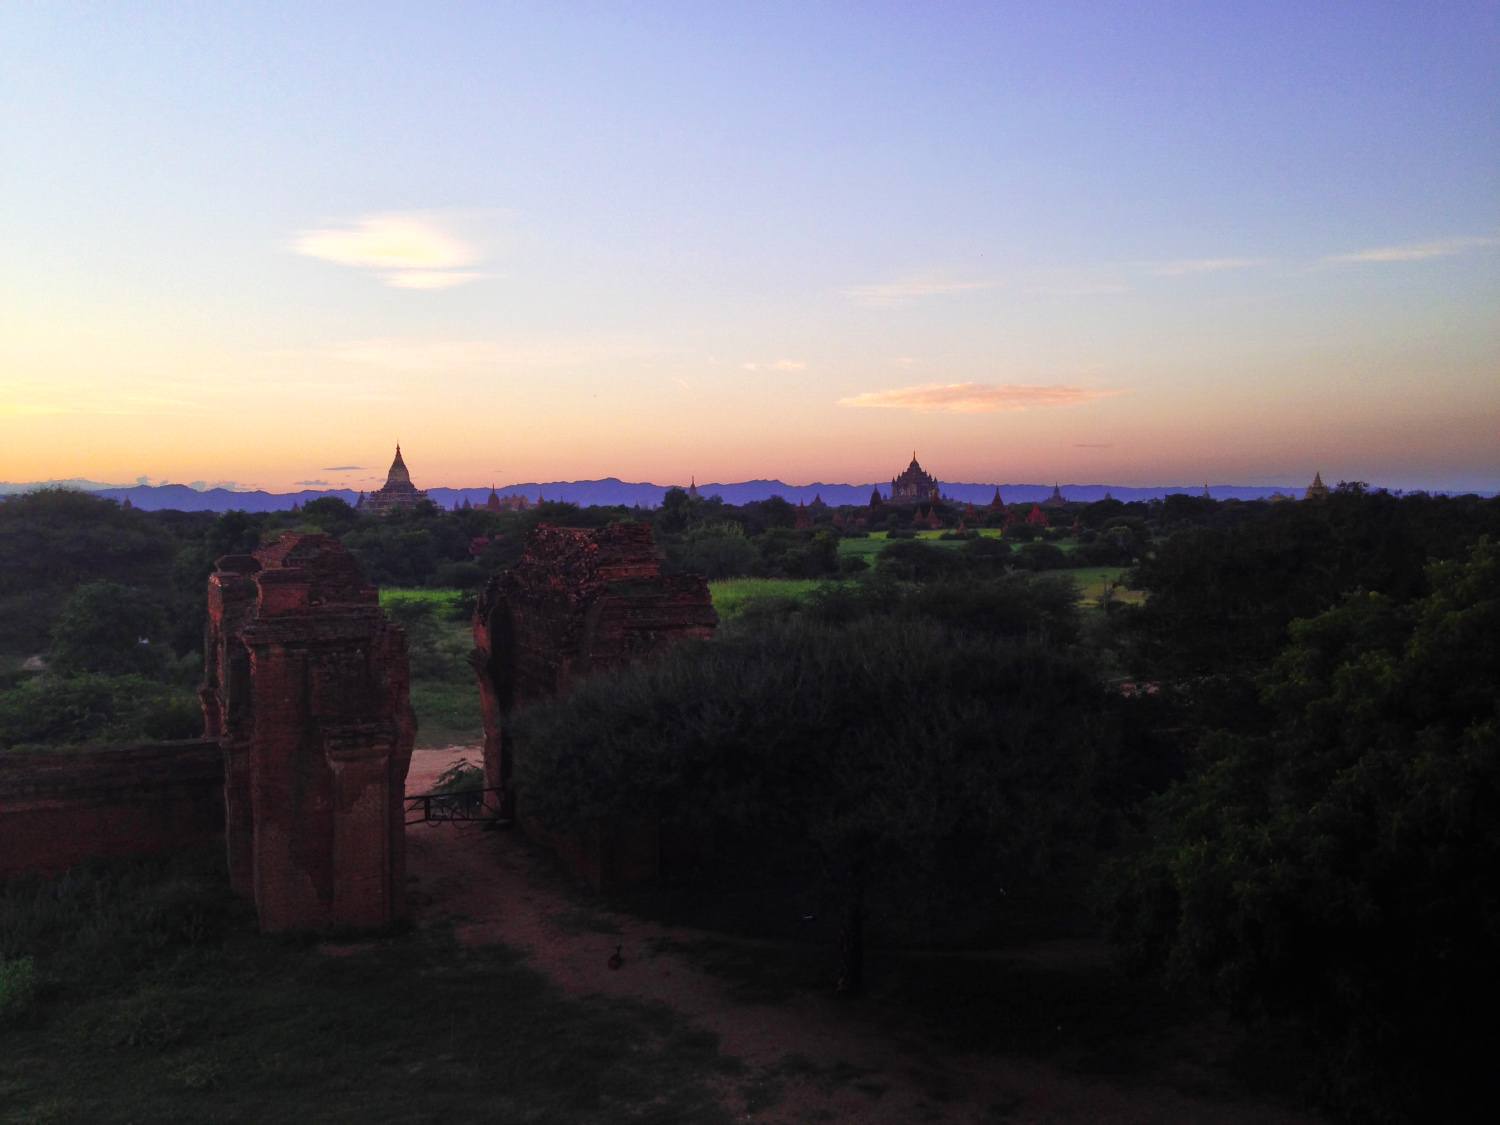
column 58, row 810
column 579, row 601
column 307, row 690
column 308, row 727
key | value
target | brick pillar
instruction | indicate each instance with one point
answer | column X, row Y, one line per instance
column 225, row 696
column 327, row 732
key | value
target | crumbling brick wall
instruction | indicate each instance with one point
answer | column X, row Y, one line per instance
column 308, row 692
column 308, row 733
column 59, row 809
column 580, row 600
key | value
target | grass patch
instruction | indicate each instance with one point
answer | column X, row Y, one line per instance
column 868, row 547
column 1094, row 580
column 732, row 595
column 211, row 1022
column 440, row 598
column 448, row 712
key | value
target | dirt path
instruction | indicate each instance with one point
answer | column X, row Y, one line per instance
column 822, row 1061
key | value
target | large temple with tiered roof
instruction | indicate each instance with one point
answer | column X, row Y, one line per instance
column 914, row 486
column 397, row 492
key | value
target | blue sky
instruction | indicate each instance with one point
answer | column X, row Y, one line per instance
column 1142, row 243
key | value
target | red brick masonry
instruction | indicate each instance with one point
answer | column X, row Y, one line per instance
column 59, row 809
column 308, row 689
column 579, row 601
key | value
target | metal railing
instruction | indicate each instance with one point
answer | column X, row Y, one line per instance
column 452, row 808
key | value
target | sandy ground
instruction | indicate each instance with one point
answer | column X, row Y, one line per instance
column 490, row 886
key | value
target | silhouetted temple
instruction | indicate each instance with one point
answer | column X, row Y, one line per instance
column 1056, row 500
column 397, row 492
column 914, row 486
column 1317, row 490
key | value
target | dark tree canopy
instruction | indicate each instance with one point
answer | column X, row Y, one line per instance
column 903, row 759
column 1341, row 870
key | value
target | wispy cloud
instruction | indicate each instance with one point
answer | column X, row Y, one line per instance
column 977, row 398
column 311, row 483
column 431, row 279
column 406, row 250
column 394, row 354
column 343, row 468
column 904, row 291
column 777, row 365
column 1419, row 251
column 1184, row 267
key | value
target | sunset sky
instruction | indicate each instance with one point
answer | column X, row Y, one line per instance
column 1128, row 243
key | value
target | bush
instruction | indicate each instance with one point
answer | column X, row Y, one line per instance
column 435, row 649
column 715, row 550
column 460, row 575
column 102, row 921
column 1041, row 556
column 52, row 710
column 921, row 763
column 18, row 987
column 919, row 562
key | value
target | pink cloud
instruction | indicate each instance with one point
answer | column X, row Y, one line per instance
column 977, row 398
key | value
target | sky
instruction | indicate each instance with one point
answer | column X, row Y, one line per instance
column 1134, row 243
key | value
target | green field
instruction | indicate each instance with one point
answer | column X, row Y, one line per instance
column 438, row 640
column 440, row 598
column 731, row 595
column 1092, row 581
column 868, row 548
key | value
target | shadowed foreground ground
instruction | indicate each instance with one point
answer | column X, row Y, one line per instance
column 153, row 999
column 798, row 1052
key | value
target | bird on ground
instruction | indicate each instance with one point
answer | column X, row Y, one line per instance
column 615, row 960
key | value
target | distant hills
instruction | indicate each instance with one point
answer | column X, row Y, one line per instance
column 611, row 490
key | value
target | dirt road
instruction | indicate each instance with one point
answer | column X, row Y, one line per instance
column 813, row 1058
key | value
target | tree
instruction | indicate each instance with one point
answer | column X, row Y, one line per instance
column 903, row 764
column 52, row 540
column 714, row 550
column 916, row 561
column 1340, row 871
column 331, row 514
column 108, row 628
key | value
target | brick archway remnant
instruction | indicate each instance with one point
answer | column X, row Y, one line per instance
column 308, row 691
column 580, row 600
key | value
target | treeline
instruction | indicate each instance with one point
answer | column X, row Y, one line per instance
column 1287, row 806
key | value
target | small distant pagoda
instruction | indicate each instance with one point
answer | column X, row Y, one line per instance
column 1057, row 499
column 914, row 486
column 1317, row 490
column 514, row 502
column 397, row 492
